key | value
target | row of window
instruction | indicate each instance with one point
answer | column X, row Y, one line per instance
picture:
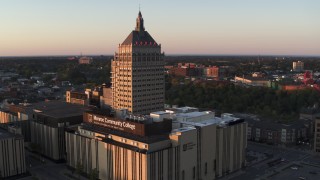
column 124, row 80
column 142, row 100
column 123, row 90
column 151, row 94
column 123, row 75
column 143, row 85
column 123, row 105
column 124, row 85
column 153, row 74
column 124, row 100
column 144, row 80
column 123, row 95
column 147, row 90
column 152, row 70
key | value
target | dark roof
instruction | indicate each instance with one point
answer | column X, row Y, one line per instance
column 6, row 135
column 55, row 109
column 139, row 38
column 272, row 125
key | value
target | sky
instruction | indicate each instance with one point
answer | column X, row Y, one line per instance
column 208, row 27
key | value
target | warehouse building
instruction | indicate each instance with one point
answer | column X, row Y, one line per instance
column 48, row 120
column 12, row 155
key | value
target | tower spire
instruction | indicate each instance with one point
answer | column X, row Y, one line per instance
column 139, row 25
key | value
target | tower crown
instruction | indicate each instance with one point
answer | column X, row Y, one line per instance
column 139, row 36
column 139, row 24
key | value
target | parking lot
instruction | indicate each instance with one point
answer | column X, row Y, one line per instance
column 297, row 171
column 272, row 162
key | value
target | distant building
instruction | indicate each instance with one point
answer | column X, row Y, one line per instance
column 80, row 98
column 86, row 98
column 12, row 155
column 85, row 60
column 287, row 85
column 216, row 72
column 257, row 74
column 187, row 70
column 271, row 132
column 298, row 66
column 252, row 81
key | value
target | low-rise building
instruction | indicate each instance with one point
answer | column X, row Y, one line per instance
column 86, row 98
column 276, row 133
column 149, row 147
column 85, row 60
column 216, row 72
column 252, row 81
column 47, row 124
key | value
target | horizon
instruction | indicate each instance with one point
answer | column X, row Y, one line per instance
column 60, row 28
column 168, row 55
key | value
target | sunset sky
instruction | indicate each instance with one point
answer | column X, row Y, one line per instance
column 95, row 27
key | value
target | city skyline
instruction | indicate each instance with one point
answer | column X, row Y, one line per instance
column 37, row 28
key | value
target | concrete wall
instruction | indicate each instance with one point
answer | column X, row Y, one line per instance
column 50, row 139
column 12, row 156
column 231, row 143
column 201, row 152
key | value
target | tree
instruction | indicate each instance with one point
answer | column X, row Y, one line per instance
column 94, row 174
column 79, row 169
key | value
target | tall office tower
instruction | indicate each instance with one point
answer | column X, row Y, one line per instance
column 138, row 73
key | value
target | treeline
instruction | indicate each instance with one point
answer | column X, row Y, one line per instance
column 96, row 73
column 227, row 97
column 67, row 70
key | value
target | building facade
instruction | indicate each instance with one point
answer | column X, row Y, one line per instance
column 85, row 60
column 12, row 154
column 252, row 81
column 138, row 73
column 146, row 148
column 90, row 97
column 17, row 117
column 48, row 122
column 276, row 133
column 297, row 66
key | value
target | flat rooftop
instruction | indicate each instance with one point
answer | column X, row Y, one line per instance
column 221, row 121
column 194, row 114
column 5, row 134
column 160, row 112
column 183, row 109
column 55, row 109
